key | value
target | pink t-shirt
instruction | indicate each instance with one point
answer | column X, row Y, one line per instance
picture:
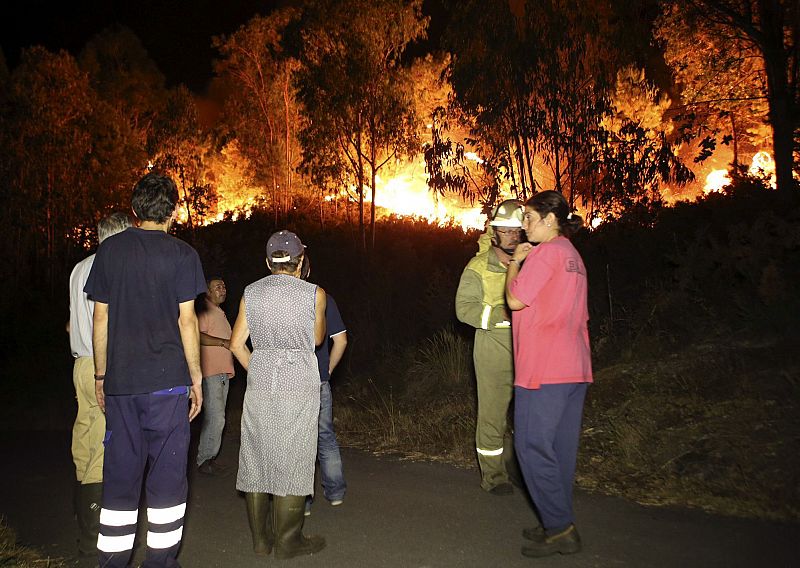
column 215, row 360
column 551, row 335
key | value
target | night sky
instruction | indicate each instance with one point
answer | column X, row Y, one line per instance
column 176, row 33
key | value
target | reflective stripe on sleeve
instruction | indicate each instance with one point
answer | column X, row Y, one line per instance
column 112, row 518
column 167, row 515
column 487, row 311
column 483, row 452
column 115, row 543
column 164, row 540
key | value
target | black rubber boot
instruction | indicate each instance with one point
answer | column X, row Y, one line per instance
column 288, row 524
column 257, row 516
column 90, row 496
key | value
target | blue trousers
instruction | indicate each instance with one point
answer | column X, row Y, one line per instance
column 330, row 459
column 547, row 427
column 144, row 430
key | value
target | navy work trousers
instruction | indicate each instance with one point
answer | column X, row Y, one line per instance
column 547, row 428
column 144, row 430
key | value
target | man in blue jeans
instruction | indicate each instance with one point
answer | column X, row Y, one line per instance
column 216, row 361
column 328, row 356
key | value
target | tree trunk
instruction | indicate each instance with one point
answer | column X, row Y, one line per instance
column 780, row 117
column 360, row 173
column 529, row 165
column 288, row 182
column 779, row 94
column 373, row 180
column 511, row 165
column 735, row 140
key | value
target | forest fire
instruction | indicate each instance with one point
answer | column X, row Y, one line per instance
column 403, row 192
column 762, row 165
column 406, row 194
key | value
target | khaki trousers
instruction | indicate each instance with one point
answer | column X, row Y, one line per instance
column 89, row 429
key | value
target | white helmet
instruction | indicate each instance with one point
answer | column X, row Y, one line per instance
column 508, row 214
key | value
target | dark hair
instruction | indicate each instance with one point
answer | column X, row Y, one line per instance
column 287, row 266
column 306, row 269
column 201, row 304
column 154, row 198
column 553, row 202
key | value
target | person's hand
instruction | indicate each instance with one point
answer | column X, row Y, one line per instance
column 196, row 398
column 521, row 252
column 100, row 394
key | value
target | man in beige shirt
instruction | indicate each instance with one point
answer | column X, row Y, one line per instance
column 217, row 363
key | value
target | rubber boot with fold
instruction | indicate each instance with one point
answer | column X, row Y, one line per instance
column 257, row 516
column 90, row 496
column 288, row 516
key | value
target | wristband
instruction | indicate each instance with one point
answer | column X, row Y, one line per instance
column 99, row 377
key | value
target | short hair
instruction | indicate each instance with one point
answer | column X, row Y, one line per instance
column 288, row 266
column 113, row 224
column 154, row 198
column 553, row 202
column 210, row 279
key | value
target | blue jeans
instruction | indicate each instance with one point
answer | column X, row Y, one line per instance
column 547, row 428
column 215, row 396
column 330, row 459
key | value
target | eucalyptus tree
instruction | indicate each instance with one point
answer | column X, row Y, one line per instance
column 354, row 90
column 123, row 74
column 535, row 80
column 534, row 77
column 180, row 147
column 66, row 158
column 735, row 56
column 260, row 109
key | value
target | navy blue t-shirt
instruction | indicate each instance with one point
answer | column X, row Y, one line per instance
column 335, row 326
column 143, row 276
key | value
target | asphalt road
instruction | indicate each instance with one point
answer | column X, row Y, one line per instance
column 396, row 514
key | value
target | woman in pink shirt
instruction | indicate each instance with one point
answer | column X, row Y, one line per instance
column 547, row 290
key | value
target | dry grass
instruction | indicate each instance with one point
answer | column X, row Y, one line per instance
column 434, row 415
column 714, row 426
column 13, row 555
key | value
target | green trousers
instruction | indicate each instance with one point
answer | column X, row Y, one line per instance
column 494, row 371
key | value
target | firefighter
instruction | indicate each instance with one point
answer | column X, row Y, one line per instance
column 480, row 302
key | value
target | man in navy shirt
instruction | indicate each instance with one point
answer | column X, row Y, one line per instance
column 330, row 459
column 147, row 364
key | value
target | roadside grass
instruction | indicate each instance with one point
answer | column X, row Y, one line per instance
column 422, row 407
column 713, row 426
column 13, row 555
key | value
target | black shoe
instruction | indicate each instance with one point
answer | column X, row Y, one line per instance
column 502, row 489
column 566, row 542
column 535, row 534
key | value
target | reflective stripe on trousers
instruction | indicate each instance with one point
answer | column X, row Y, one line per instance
column 490, row 453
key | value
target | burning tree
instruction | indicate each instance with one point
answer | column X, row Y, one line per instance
column 732, row 55
column 537, row 80
column 260, row 110
column 354, row 91
column 179, row 146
